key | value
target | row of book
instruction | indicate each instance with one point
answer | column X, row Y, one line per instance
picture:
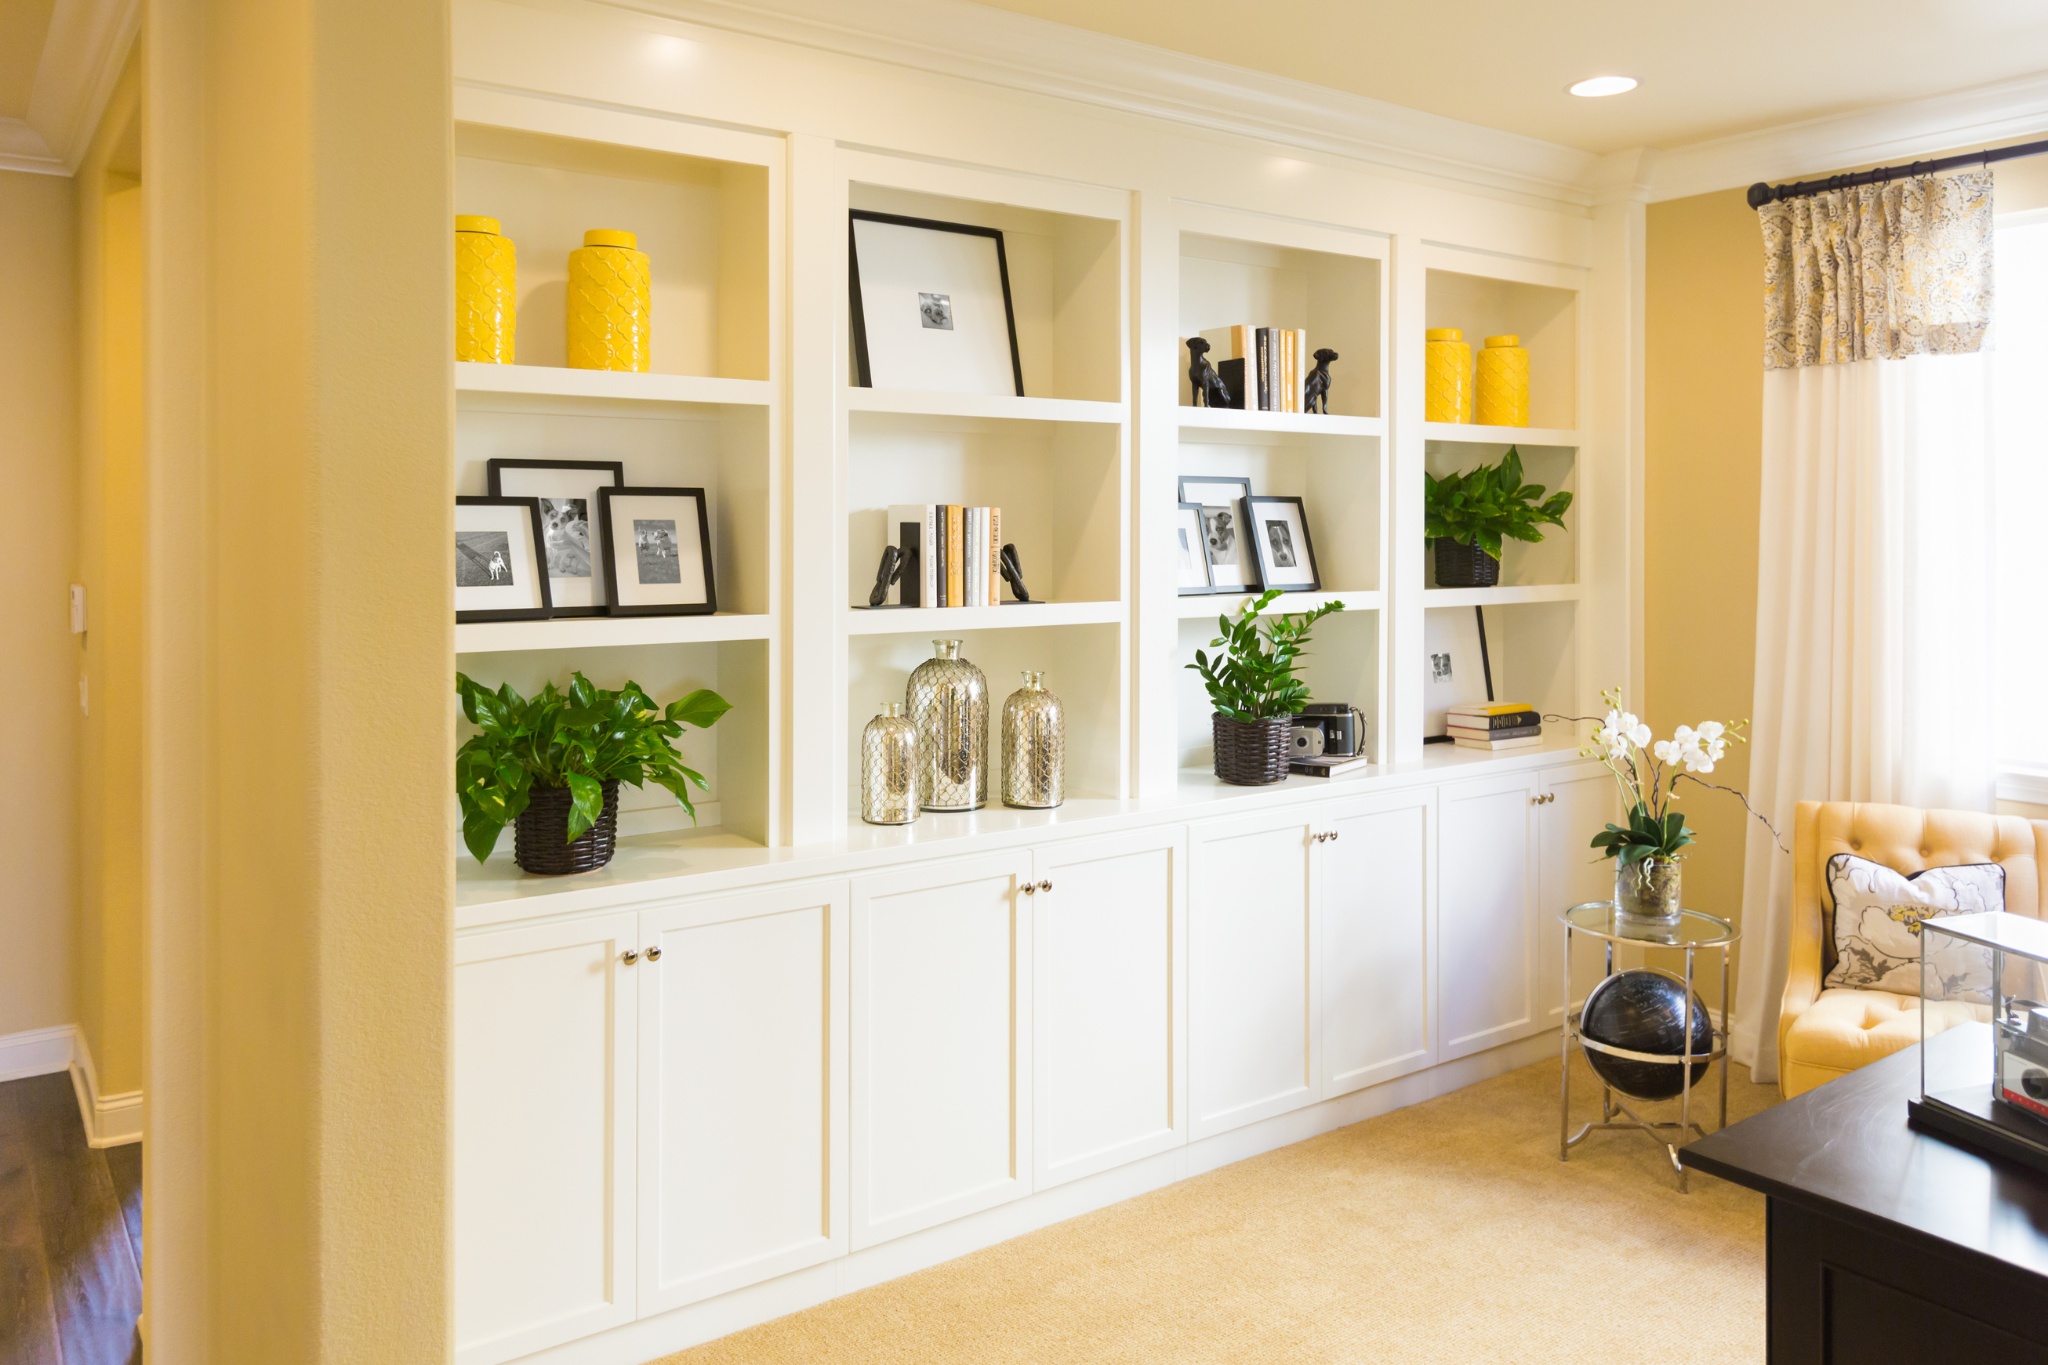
column 952, row 555
column 1264, row 367
column 1494, row 726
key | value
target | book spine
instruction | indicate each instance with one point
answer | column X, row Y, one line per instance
column 956, row 540
column 977, row 557
column 1265, row 386
column 995, row 556
column 969, row 559
column 939, row 558
column 928, row 568
column 1287, row 395
column 1300, row 369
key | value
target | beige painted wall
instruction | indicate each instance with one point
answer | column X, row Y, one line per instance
column 39, row 657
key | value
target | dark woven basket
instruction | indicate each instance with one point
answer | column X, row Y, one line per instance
column 1464, row 566
column 1252, row 753
column 540, row 838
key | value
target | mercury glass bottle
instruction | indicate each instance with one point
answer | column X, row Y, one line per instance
column 949, row 705
column 610, row 303
column 888, row 768
column 1034, row 746
column 486, row 290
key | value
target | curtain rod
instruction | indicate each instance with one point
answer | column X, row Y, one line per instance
column 1762, row 193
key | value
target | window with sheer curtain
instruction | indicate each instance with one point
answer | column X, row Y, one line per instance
column 2019, row 427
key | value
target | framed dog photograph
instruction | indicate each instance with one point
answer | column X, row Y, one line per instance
column 1279, row 534
column 1193, row 555
column 657, row 551
column 1233, row 567
column 1456, row 668
column 567, row 490
column 931, row 306
column 500, row 561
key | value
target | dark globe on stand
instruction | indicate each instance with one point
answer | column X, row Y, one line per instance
column 1644, row 1011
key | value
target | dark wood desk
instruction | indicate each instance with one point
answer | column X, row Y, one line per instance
column 1888, row 1246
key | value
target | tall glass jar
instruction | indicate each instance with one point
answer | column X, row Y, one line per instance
column 1647, row 892
column 610, row 303
column 486, row 290
column 888, row 768
column 1034, row 746
column 949, row 705
column 1447, row 376
column 1503, row 383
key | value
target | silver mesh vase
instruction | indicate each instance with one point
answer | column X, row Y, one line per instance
column 949, row 705
column 1034, row 746
column 888, row 768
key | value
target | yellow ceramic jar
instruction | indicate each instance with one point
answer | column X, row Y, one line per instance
column 609, row 303
column 1503, row 383
column 486, row 291
column 1447, row 376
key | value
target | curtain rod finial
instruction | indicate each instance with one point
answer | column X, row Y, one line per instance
column 1760, row 194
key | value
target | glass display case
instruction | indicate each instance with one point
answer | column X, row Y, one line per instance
column 1984, row 1033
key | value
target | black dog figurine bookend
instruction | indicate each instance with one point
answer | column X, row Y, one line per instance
column 1210, row 390
column 1316, row 392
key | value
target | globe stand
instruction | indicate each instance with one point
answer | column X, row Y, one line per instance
column 1693, row 934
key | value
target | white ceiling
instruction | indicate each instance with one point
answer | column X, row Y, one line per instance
column 1707, row 70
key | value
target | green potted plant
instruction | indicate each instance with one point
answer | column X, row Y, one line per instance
column 1468, row 515
column 1254, row 690
column 551, row 766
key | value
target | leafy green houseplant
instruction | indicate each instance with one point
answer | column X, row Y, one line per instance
column 1254, row 689
column 1469, row 515
column 553, row 765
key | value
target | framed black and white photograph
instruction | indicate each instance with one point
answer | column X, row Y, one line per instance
column 1193, row 555
column 500, row 561
column 1233, row 565
column 657, row 551
column 567, row 490
column 1279, row 534
column 931, row 306
column 1456, row 669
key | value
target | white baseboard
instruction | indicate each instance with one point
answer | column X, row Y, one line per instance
column 36, row 1052
column 110, row 1120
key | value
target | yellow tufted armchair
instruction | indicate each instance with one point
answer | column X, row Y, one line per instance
column 1823, row 1034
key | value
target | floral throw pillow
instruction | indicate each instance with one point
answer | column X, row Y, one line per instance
column 1878, row 913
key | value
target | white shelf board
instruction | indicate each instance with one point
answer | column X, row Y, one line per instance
column 1507, row 596
column 942, row 621
column 1203, row 606
column 1469, row 433
column 907, row 402
column 1559, row 740
column 598, row 632
column 552, row 381
column 1278, row 423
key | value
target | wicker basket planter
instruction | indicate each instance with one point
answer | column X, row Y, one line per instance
column 1252, row 753
column 540, row 839
column 1464, row 566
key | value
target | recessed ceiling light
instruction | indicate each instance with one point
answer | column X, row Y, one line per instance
column 1604, row 85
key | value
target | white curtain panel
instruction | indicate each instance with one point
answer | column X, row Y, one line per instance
column 1874, row 631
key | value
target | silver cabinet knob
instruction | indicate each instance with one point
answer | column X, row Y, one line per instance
column 1333, row 836
column 630, row 956
column 654, row 954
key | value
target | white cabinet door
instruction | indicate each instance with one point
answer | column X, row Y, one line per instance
column 1486, row 949
column 544, row 1109
column 1252, row 1038
column 742, row 1085
column 1109, row 935
column 1578, row 802
column 1373, row 872
column 941, row 1037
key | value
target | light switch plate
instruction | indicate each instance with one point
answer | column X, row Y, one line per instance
column 78, row 608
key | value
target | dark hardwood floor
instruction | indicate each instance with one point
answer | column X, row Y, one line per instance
column 70, row 1234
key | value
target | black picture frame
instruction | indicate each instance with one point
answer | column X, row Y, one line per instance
column 475, row 615
column 1255, row 582
column 863, row 372
column 606, row 497
column 1207, row 588
column 1270, row 571
column 494, row 471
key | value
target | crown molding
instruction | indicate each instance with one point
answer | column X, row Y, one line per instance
column 87, row 44
column 1896, row 132
column 1019, row 52
column 22, row 149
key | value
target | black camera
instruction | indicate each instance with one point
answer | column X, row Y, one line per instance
column 1329, row 729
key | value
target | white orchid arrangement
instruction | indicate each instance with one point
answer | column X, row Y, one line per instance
column 1649, row 770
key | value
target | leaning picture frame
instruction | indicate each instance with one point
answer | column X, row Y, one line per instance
column 1456, row 667
column 656, row 544
column 1278, row 528
column 1233, row 567
column 500, row 561
column 1191, row 556
column 567, row 490
column 930, row 306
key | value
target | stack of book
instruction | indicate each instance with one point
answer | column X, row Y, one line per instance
column 1495, row 726
column 1265, row 367
column 951, row 555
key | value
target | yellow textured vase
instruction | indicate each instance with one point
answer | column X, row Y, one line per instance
column 486, row 291
column 1503, row 383
column 1447, row 376
column 609, row 303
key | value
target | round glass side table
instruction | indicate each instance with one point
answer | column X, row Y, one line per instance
column 1694, row 933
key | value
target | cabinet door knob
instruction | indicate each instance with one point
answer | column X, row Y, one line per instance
column 1333, row 836
column 1045, row 886
column 630, row 956
column 1030, row 888
column 654, row 954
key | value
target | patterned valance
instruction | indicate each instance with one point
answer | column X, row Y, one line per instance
column 1878, row 271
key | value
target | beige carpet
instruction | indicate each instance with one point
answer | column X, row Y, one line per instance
column 1444, row 1232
